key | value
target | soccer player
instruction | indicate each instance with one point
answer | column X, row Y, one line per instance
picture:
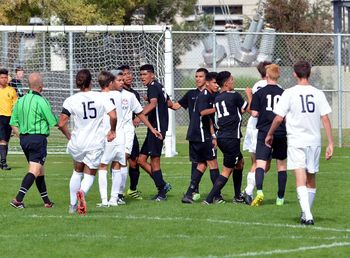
column 8, row 98
column 157, row 112
column 16, row 82
column 303, row 107
column 87, row 140
column 187, row 102
column 261, row 107
column 229, row 107
column 249, row 143
column 31, row 120
column 202, row 138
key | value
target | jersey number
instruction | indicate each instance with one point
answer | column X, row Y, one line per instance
column 307, row 102
column 223, row 104
column 271, row 105
column 89, row 110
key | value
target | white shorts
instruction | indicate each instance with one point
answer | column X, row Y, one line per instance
column 113, row 152
column 306, row 157
column 129, row 141
column 250, row 139
column 91, row 158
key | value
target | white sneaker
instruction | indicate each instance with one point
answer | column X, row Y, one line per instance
column 102, row 205
column 113, row 201
column 73, row 209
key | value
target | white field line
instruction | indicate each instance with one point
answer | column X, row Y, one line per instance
column 227, row 222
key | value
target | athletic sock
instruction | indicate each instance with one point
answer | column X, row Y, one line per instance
column 124, row 176
column 311, row 194
column 215, row 191
column 3, row 153
column 259, row 178
column 41, row 185
column 134, row 174
column 282, row 181
column 197, row 176
column 27, row 182
column 74, row 186
column 303, row 197
column 102, row 185
column 193, row 169
column 250, row 183
column 237, row 181
column 86, row 183
column 116, row 181
column 158, row 179
column 214, row 174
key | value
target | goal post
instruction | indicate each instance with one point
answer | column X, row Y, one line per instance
column 58, row 52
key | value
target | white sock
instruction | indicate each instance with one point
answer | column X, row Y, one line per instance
column 124, row 176
column 303, row 197
column 312, row 193
column 74, row 186
column 250, row 183
column 86, row 183
column 116, row 181
column 102, row 185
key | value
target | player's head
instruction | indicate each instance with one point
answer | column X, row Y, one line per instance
column 210, row 82
column 83, row 79
column 128, row 78
column 35, row 82
column 19, row 72
column 225, row 81
column 105, row 79
column 302, row 69
column 118, row 79
column 4, row 73
column 146, row 74
column 262, row 68
column 200, row 77
column 273, row 72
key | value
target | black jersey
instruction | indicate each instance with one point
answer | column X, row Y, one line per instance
column 264, row 101
column 158, row 117
column 137, row 95
column 199, row 128
column 188, row 100
column 228, row 106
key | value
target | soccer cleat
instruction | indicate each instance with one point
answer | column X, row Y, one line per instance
column 102, row 205
column 120, row 200
column 206, row 203
column 238, row 199
column 113, row 201
column 134, row 194
column 219, row 200
column 4, row 166
column 309, row 222
column 81, row 203
column 258, row 200
column 187, row 199
column 160, row 198
column 196, row 196
column 16, row 204
column 279, row 201
column 49, row 205
column 72, row 209
column 302, row 218
column 247, row 198
column 167, row 187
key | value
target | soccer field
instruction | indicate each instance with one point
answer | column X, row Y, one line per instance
column 172, row 229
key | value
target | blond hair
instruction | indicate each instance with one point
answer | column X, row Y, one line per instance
column 273, row 71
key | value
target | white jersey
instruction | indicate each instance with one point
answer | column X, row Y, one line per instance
column 130, row 105
column 252, row 121
column 303, row 106
column 88, row 110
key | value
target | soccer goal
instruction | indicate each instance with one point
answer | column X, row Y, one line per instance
column 58, row 52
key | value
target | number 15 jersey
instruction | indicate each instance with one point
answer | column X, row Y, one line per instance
column 88, row 110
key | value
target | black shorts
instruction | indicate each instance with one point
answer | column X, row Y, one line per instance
column 278, row 150
column 231, row 149
column 5, row 128
column 34, row 147
column 201, row 152
column 135, row 149
column 152, row 146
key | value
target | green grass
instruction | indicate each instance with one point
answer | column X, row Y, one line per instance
column 172, row 229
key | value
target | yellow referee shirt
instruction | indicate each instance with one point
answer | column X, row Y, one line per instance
column 8, row 98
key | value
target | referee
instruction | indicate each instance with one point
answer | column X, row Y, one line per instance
column 31, row 119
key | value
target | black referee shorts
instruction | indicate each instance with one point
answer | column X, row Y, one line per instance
column 278, row 150
column 201, row 152
column 152, row 146
column 5, row 128
column 231, row 149
column 34, row 147
column 135, row 149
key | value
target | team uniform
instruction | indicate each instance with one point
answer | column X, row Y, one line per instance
column 8, row 98
column 89, row 135
column 249, row 143
column 18, row 86
column 302, row 106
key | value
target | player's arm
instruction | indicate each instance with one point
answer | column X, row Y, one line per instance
column 213, row 135
column 249, row 94
column 47, row 112
column 150, row 106
column 144, row 119
column 113, row 122
column 176, row 106
column 208, row 111
column 275, row 124
column 328, row 128
column 63, row 124
column 14, row 120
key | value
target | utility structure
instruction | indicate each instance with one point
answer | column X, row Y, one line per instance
column 339, row 7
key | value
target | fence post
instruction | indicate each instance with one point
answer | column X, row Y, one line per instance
column 214, row 50
column 340, row 89
column 71, row 76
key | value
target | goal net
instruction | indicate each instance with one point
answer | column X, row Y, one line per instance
column 58, row 52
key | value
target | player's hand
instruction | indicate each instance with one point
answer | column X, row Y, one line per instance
column 157, row 134
column 111, row 136
column 329, row 151
column 268, row 140
column 136, row 122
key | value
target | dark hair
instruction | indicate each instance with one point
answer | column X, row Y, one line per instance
column 105, row 78
column 19, row 68
column 211, row 76
column 302, row 69
column 123, row 67
column 147, row 67
column 205, row 71
column 262, row 68
column 222, row 77
column 4, row 71
column 83, row 79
